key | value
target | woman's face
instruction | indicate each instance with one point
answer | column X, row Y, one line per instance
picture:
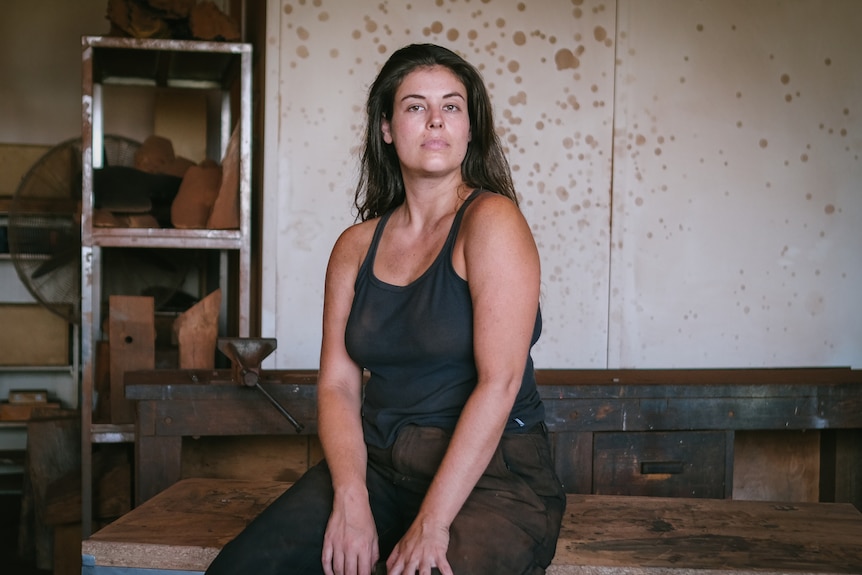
column 430, row 126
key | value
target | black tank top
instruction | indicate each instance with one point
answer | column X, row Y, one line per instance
column 416, row 341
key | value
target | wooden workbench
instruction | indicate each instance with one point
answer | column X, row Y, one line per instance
column 679, row 424
column 182, row 529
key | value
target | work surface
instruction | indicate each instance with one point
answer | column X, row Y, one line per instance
column 183, row 528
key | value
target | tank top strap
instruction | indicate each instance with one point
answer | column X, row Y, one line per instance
column 375, row 239
column 449, row 246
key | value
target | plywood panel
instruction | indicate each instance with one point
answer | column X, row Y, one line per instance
column 32, row 335
column 548, row 67
column 777, row 465
column 736, row 184
column 726, row 131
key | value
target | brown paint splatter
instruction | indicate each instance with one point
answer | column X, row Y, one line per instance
column 785, row 79
column 600, row 33
column 829, row 209
column 519, row 38
column 565, row 59
column 763, row 142
column 519, row 98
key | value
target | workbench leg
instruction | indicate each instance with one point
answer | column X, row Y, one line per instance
column 573, row 459
column 158, row 465
column 841, row 466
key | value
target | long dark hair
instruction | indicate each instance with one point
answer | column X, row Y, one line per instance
column 381, row 187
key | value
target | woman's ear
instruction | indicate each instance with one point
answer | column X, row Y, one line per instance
column 386, row 129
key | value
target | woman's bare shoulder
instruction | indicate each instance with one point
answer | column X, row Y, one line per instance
column 490, row 209
column 352, row 244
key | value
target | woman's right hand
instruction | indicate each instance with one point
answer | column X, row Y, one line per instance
column 350, row 543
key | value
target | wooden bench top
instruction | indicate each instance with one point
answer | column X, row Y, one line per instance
column 183, row 528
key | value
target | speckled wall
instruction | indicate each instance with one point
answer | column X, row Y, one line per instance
column 690, row 169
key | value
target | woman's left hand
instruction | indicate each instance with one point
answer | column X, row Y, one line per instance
column 422, row 548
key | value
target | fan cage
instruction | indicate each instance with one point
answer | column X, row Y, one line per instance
column 44, row 226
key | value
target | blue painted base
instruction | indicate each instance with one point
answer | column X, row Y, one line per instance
column 89, row 567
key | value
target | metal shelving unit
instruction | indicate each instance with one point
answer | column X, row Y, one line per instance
column 161, row 64
column 61, row 381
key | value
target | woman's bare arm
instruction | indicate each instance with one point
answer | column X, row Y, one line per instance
column 498, row 256
column 350, row 542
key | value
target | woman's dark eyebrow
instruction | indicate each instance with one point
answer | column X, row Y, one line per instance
column 420, row 97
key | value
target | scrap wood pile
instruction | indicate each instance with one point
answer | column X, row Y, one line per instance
column 164, row 190
column 171, row 19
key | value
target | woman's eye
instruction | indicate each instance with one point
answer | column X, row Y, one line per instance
column 451, row 108
column 415, row 108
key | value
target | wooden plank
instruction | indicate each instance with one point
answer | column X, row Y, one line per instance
column 602, row 534
column 197, row 331
column 261, row 458
column 839, row 408
column 196, row 518
column 709, row 377
column 53, row 450
column 248, row 414
column 133, row 347
column 573, row 460
column 655, row 535
column 23, row 411
column 783, row 465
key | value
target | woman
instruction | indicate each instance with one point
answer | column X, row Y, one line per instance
column 440, row 462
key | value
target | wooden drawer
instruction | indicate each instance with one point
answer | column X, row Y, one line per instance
column 665, row 464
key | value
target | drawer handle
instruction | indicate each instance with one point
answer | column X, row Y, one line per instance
column 661, row 467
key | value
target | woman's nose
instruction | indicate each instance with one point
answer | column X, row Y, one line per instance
column 435, row 120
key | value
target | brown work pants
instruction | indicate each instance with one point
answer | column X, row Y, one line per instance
column 508, row 525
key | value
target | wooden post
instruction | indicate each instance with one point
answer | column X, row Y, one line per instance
column 197, row 333
column 133, row 346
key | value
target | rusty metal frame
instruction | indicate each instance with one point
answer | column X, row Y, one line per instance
column 165, row 63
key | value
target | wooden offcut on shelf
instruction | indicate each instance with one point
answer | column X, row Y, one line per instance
column 23, row 403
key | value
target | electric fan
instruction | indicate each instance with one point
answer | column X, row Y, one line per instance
column 45, row 234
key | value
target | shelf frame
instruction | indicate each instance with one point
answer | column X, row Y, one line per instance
column 157, row 63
